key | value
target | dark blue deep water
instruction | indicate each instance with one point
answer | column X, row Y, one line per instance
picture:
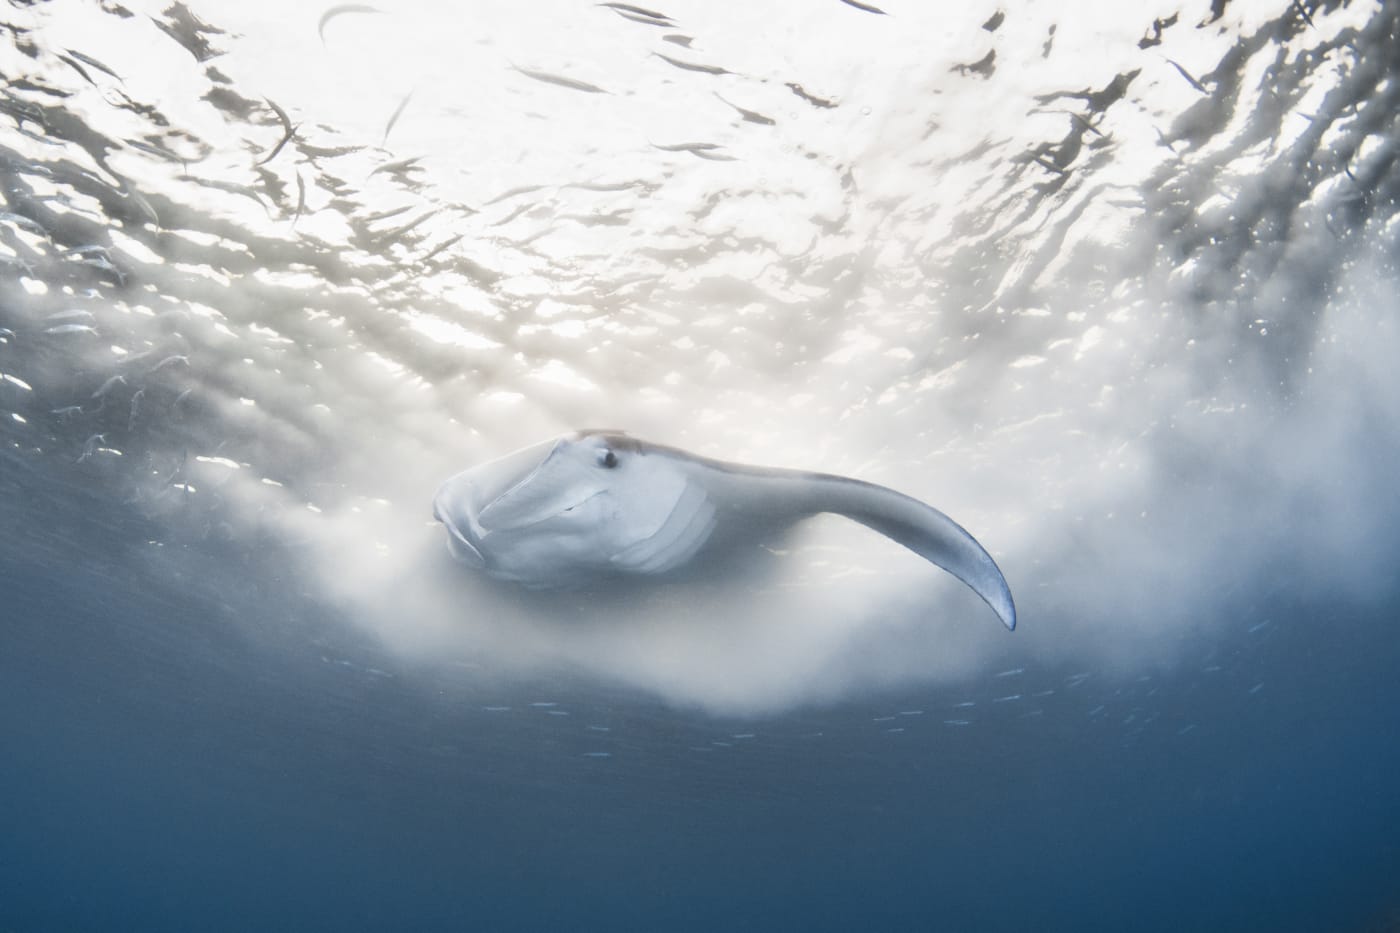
column 167, row 770
column 1143, row 331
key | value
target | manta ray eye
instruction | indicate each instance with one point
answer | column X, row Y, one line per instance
column 606, row 458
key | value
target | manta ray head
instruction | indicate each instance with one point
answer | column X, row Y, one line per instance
column 588, row 503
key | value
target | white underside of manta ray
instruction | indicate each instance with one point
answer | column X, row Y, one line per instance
column 600, row 503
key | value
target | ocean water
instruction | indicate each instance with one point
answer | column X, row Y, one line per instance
column 1114, row 286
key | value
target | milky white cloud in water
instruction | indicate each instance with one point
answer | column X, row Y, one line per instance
column 902, row 288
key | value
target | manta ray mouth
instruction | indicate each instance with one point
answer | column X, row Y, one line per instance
column 499, row 495
column 459, row 542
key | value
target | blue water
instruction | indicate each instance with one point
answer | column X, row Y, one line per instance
column 1140, row 335
column 166, row 769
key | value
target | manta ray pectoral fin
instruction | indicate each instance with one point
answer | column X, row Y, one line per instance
column 942, row 541
column 925, row 531
column 964, row 558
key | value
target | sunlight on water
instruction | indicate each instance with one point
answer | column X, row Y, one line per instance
column 1102, row 308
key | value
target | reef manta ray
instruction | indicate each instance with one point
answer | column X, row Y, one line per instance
column 598, row 503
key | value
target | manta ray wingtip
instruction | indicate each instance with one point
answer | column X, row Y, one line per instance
column 999, row 598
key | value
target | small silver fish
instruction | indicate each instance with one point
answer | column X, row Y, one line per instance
column 693, row 66
column 92, row 249
column 398, row 112
column 78, row 68
column 639, row 11
column 178, row 358
column 91, row 445
column 287, row 126
column 749, row 116
column 109, row 385
column 341, row 10
column 23, row 222
column 69, row 316
column 301, row 198
column 687, row 147
column 560, row 81
column 398, row 165
column 89, row 60
column 135, row 409
column 1187, row 75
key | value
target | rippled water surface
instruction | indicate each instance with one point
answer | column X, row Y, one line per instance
column 1113, row 285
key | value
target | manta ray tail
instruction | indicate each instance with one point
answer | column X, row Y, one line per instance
column 923, row 530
